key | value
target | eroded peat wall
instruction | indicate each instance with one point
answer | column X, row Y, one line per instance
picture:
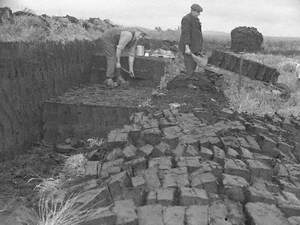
column 30, row 73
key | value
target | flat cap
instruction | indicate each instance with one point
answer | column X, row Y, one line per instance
column 196, row 7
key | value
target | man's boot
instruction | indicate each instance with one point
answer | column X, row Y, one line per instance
column 110, row 83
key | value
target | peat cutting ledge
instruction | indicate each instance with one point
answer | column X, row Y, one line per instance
column 175, row 157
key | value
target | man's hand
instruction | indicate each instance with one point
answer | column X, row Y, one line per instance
column 118, row 65
column 131, row 74
column 187, row 50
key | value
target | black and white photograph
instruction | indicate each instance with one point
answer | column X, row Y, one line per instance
column 150, row 112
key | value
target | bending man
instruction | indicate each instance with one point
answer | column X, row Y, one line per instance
column 115, row 41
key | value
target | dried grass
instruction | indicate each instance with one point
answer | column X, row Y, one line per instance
column 57, row 207
column 66, row 211
column 75, row 166
column 48, row 186
column 95, row 142
column 33, row 28
column 255, row 97
column 24, row 28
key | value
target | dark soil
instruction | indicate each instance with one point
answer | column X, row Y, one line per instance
column 196, row 94
column 16, row 177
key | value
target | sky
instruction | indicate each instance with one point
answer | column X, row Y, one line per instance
column 271, row 17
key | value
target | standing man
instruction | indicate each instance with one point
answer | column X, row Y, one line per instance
column 115, row 41
column 191, row 39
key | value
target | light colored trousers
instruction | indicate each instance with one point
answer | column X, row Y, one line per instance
column 110, row 54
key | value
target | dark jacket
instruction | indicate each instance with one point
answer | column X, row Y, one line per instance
column 191, row 34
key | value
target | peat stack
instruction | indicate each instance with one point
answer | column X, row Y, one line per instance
column 246, row 39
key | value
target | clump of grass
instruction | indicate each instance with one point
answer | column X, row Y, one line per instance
column 253, row 96
column 75, row 166
column 23, row 28
column 256, row 97
column 147, row 103
column 57, row 206
column 292, row 107
column 48, row 186
column 67, row 211
column 95, row 142
column 34, row 28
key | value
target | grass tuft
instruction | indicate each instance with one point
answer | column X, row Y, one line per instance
column 49, row 185
column 75, row 166
column 258, row 98
column 67, row 211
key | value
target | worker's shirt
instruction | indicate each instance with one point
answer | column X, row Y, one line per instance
column 122, row 39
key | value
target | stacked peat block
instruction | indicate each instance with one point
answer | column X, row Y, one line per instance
column 172, row 168
column 147, row 69
column 246, row 39
column 254, row 70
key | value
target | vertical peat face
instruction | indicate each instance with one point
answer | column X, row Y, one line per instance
column 30, row 73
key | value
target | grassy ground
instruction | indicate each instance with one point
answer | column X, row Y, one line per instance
column 255, row 97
